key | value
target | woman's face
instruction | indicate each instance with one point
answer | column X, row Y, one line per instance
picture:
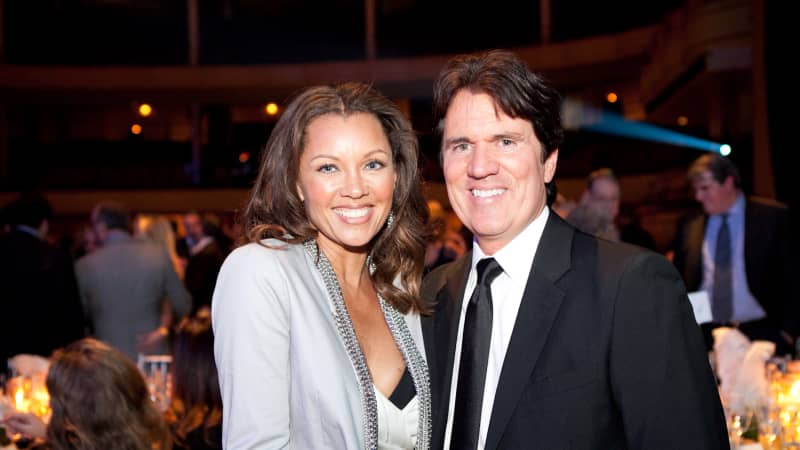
column 346, row 179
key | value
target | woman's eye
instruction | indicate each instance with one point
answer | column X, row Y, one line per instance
column 375, row 164
column 327, row 168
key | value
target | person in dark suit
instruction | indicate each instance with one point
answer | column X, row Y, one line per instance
column 40, row 300
column 577, row 342
column 759, row 293
column 206, row 256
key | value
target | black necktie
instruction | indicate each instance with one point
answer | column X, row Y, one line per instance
column 722, row 301
column 474, row 359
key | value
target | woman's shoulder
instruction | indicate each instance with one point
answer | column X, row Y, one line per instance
column 267, row 250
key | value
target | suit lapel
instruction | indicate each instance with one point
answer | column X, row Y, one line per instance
column 694, row 259
column 540, row 303
column 444, row 334
column 753, row 247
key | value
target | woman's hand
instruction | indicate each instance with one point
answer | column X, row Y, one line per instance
column 25, row 424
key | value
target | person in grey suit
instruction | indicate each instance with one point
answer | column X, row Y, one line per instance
column 316, row 321
column 123, row 283
column 543, row 336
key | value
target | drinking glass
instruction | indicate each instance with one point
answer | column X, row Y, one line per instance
column 157, row 373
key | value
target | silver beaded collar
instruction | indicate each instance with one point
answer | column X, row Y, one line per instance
column 405, row 342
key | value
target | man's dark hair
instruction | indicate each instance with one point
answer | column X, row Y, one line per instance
column 29, row 209
column 719, row 166
column 115, row 215
column 516, row 91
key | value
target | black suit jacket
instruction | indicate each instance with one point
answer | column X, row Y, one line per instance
column 201, row 274
column 768, row 261
column 39, row 297
column 605, row 352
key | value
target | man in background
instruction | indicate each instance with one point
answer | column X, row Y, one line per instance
column 738, row 251
column 122, row 284
column 206, row 255
column 39, row 299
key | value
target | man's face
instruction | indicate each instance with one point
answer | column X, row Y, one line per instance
column 193, row 226
column 493, row 169
column 605, row 195
column 715, row 197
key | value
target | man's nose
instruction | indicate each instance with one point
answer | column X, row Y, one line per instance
column 482, row 162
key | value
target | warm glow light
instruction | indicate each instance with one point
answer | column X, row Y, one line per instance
column 683, row 121
column 20, row 403
column 244, row 157
column 271, row 108
column 136, row 129
column 611, row 97
column 145, row 110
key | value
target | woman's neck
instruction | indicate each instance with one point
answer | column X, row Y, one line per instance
column 348, row 264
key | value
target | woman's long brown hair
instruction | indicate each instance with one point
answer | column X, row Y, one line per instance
column 275, row 210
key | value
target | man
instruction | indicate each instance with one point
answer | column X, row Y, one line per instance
column 122, row 284
column 39, row 296
column 599, row 206
column 577, row 342
column 750, row 287
column 206, row 256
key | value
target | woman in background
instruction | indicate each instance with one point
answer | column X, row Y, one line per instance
column 99, row 401
column 158, row 229
column 195, row 413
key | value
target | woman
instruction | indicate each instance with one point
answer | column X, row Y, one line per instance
column 316, row 321
column 195, row 413
column 158, row 229
column 99, row 400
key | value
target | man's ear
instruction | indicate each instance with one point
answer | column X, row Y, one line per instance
column 728, row 183
column 550, row 166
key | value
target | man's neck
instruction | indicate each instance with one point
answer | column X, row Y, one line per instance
column 116, row 235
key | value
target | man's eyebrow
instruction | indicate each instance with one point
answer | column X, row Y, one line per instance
column 456, row 140
column 508, row 135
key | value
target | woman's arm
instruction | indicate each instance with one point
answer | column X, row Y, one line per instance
column 251, row 316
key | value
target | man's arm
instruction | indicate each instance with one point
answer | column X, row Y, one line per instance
column 176, row 292
column 660, row 374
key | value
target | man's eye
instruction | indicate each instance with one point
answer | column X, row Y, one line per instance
column 461, row 147
column 506, row 142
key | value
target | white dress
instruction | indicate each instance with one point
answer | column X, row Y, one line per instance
column 397, row 428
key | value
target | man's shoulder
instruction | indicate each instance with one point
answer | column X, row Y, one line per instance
column 437, row 278
column 766, row 204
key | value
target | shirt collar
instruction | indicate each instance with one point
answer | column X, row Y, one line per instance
column 201, row 244
column 29, row 230
column 736, row 209
column 516, row 257
column 115, row 236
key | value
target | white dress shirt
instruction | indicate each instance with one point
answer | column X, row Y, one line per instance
column 745, row 305
column 516, row 259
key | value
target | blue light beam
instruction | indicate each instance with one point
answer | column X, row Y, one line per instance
column 577, row 116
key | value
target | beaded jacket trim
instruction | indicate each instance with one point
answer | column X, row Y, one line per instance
column 405, row 342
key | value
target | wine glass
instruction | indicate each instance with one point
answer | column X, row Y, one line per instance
column 157, row 373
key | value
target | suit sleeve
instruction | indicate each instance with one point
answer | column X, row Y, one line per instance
column 251, row 316
column 660, row 374
column 176, row 292
column 70, row 309
column 787, row 271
